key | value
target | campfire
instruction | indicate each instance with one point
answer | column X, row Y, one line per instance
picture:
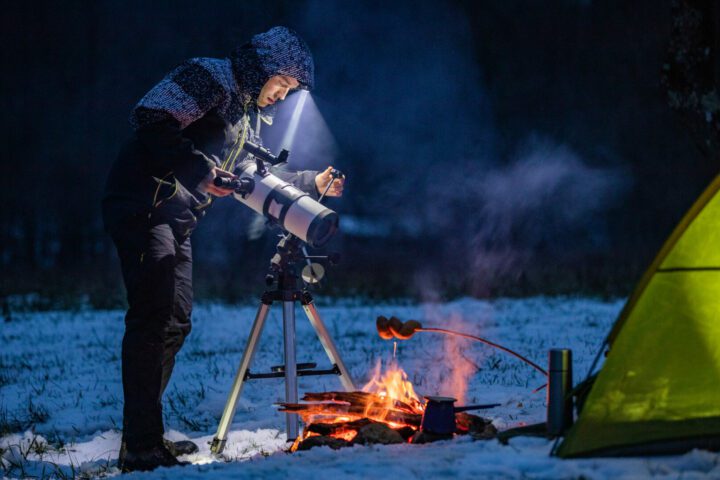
column 387, row 410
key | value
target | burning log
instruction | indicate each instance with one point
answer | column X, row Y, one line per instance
column 322, row 441
column 372, row 412
column 479, row 428
column 329, row 429
column 363, row 432
column 349, row 397
column 378, row 433
column 360, row 398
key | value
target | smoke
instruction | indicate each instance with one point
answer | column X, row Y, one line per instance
column 547, row 192
column 451, row 361
column 460, row 363
column 545, row 204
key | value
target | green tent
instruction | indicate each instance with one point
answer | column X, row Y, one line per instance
column 659, row 389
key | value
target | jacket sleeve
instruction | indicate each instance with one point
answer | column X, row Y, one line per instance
column 183, row 96
column 302, row 179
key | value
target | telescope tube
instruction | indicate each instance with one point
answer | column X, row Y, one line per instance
column 288, row 206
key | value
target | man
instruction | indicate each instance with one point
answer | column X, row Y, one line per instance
column 189, row 128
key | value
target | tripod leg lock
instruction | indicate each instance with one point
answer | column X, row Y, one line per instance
column 217, row 446
column 306, row 298
column 267, row 298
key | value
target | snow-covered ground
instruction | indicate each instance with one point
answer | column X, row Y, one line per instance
column 61, row 396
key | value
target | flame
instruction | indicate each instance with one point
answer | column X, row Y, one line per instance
column 393, row 386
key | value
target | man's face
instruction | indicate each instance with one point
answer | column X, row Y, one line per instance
column 276, row 89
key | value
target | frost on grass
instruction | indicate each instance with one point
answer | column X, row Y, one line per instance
column 61, row 396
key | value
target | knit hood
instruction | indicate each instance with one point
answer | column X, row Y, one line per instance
column 279, row 51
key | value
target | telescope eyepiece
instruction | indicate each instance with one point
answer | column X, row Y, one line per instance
column 223, row 182
column 241, row 186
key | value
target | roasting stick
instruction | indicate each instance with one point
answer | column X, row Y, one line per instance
column 394, row 328
column 486, row 342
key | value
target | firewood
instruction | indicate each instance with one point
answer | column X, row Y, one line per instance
column 377, row 433
column 332, row 442
column 479, row 428
column 358, row 398
column 350, row 397
column 321, row 408
column 354, row 411
column 326, row 429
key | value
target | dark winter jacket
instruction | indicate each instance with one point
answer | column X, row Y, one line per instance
column 198, row 116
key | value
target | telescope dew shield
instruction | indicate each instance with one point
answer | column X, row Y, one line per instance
column 288, row 206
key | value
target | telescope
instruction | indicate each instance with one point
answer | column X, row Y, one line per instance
column 308, row 221
column 279, row 201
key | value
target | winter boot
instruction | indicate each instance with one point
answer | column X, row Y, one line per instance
column 145, row 460
column 182, row 447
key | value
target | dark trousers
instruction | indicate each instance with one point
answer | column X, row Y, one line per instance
column 157, row 270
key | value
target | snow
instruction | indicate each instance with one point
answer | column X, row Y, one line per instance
column 61, row 395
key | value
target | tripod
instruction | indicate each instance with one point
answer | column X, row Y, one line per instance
column 283, row 274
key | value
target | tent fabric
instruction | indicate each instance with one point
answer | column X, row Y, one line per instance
column 659, row 389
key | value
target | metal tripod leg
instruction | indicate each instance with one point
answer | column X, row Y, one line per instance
column 291, row 383
column 328, row 345
column 218, row 443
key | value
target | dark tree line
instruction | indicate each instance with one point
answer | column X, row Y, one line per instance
column 691, row 72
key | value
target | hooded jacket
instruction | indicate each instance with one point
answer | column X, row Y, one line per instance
column 199, row 116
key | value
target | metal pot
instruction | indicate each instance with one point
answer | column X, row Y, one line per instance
column 439, row 414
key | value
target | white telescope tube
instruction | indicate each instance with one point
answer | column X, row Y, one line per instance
column 288, row 206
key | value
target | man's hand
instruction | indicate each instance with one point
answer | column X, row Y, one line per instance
column 207, row 185
column 323, row 179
